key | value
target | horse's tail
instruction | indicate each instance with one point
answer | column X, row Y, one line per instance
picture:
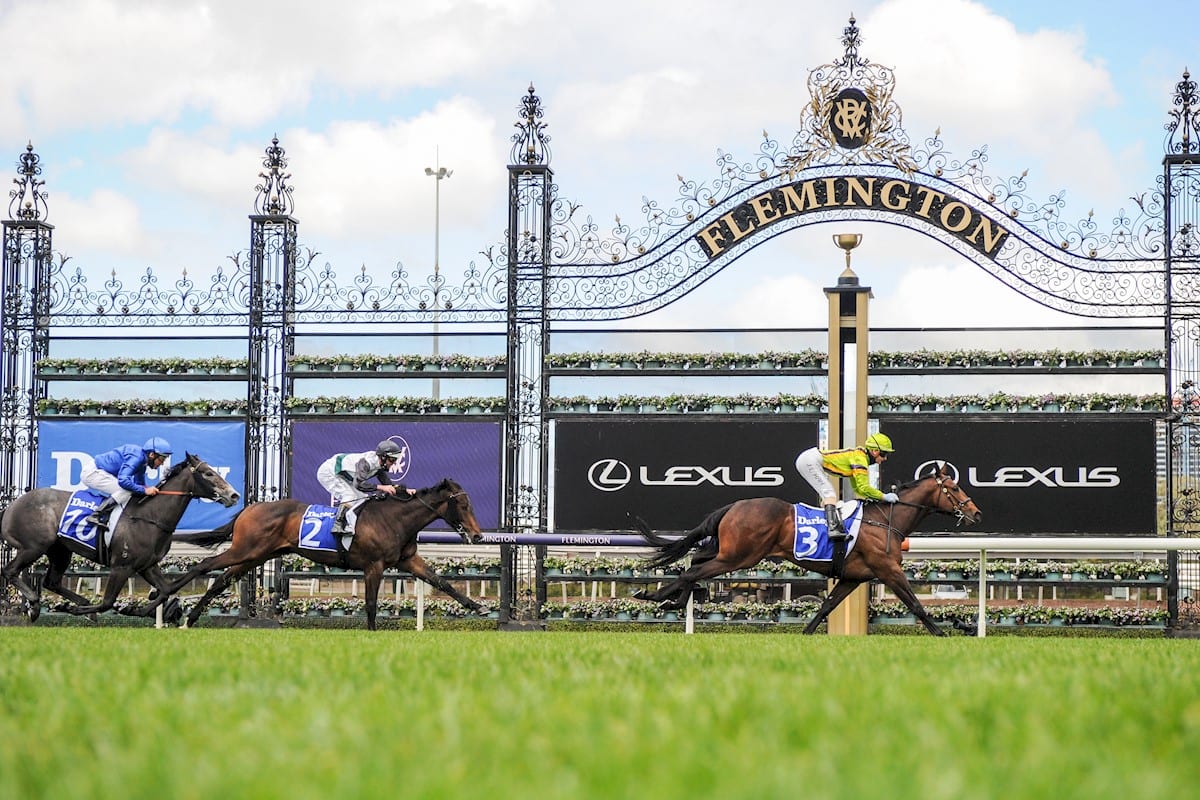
column 671, row 550
column 209, row 538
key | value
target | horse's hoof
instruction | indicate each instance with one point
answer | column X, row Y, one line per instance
column 172, row 611
column 640, row 594
column 34, row 610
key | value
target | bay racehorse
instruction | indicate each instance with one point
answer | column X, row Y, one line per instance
column 385, row 536
column 741, row 534
column 139, row 542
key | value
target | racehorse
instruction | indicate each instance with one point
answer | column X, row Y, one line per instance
column 743, row 533
column 141, row 539
column 385, row 535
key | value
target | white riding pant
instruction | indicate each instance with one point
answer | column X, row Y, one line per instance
column 106, row 484
column 340, row 490
column 809, row 465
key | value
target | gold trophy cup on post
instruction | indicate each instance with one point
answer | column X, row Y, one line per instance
column 847, row 241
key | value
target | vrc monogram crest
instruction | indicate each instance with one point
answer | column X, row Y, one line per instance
column 850, row 118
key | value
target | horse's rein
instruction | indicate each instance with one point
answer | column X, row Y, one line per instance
column 458, row 526
column 188, row 493
column 957, row 505
column 957, row 512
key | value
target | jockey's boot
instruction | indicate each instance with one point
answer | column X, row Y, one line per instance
column 339, row 522
column 837, row 531
column 100, row 516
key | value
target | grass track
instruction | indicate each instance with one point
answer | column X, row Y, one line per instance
column 141, row 713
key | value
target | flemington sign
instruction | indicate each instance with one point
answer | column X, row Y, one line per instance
column 905, row 197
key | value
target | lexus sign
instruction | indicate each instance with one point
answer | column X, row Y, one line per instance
column 1054, row 476
column 671, row 472
column 1059, row 475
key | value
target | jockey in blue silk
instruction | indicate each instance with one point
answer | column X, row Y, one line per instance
column 120, row 474
column 816, row 465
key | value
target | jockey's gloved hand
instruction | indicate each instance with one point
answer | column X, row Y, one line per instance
column 891, row 497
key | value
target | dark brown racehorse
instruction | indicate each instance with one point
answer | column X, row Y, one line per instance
column 742, row 534
column 385, row 536
column 142, row 537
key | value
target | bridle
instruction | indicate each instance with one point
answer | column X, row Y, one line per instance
column 189, row 492
column 456, row 524
column 957, row 508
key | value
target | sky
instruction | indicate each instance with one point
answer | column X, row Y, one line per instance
column 151, row 120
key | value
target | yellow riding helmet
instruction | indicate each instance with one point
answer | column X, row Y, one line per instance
column 878, row 441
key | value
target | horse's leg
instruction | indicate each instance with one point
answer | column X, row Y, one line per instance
column 158, row 597
column 675, row 594
column 372, row 578
column 12, row 573
column 418, row 568
column 841, row 590
column 667, row 594
column 203, row 568
column 117, row 578
column 59, row 559
column 240, row 552
column 221, row 583
column 893, row 577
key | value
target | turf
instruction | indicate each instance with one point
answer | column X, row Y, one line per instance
column 141, row 713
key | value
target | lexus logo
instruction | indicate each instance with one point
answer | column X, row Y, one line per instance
column 1025, row 476
column 935, row 466
column 609, row 475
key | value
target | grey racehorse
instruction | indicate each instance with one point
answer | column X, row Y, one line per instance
column 141, row 539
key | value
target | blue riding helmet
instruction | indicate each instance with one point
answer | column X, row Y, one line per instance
column 157, row 444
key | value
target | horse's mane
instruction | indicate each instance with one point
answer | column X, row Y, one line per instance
column 173, row 471
column 440, row 486
column 900, row 487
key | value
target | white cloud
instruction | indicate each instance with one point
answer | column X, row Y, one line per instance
column 185, row 96
column 1031, row 97
column 103, row 221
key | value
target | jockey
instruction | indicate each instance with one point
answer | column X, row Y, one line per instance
column 815, row 465
column 120, row 474
column 345, row 476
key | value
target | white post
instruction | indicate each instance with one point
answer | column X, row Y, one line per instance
column 420, row 605
column 689, row 625
column 981, row 629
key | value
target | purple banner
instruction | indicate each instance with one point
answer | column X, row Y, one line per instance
column 588, row 539
column 467, row 452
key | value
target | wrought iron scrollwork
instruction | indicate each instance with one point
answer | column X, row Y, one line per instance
column 274, row 194
column 531, row 143
column 28, row 200
column 1185, row 119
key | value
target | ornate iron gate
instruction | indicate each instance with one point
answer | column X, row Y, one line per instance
column 850, row 160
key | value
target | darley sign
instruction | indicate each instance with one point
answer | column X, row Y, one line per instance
column 891, row 194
